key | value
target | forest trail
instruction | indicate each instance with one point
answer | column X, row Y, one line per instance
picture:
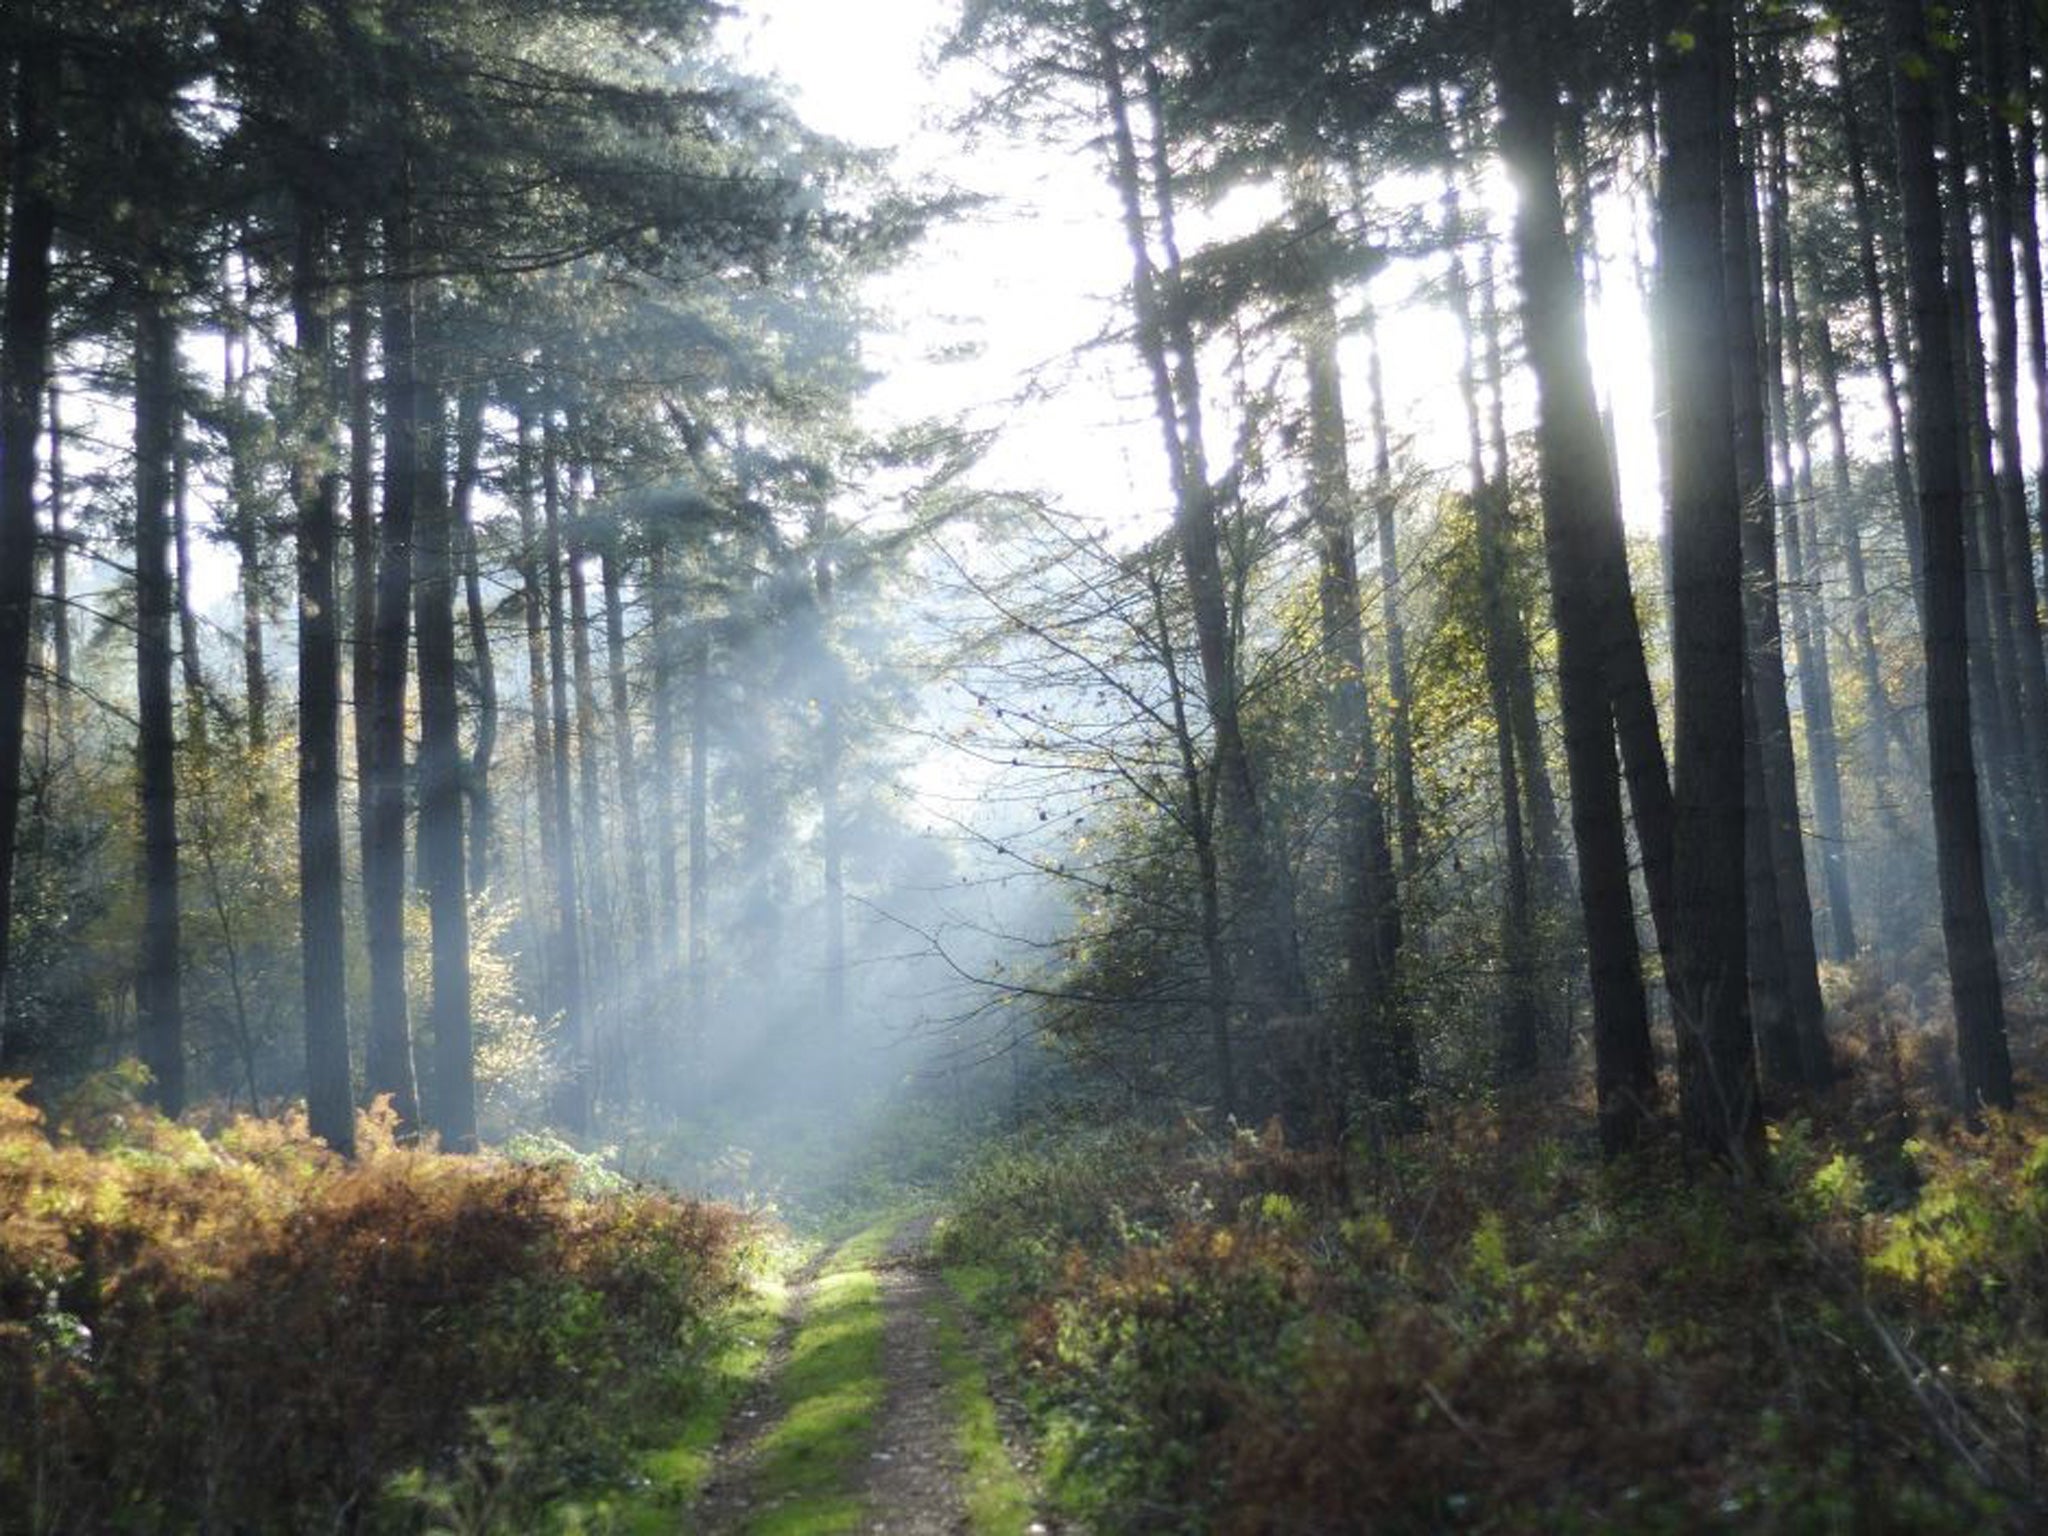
column 915, row 1472
column 856, row 1420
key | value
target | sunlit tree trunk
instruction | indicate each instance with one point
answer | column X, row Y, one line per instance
column 700, row 835
column 1871, row 272
column 1716, row 1058
column 663, row 639
column 1200, row 826
column 600, row 973
column 469, row 432
column 244, row 516
column 1268, row 966
column 1792, row 412
column 60, row 576
column 1880, row 714
column 533, row 604
column 625, row 755
column 388, row 1054
column 1516, row 1055
column 2013, row 725
column 573, row 1099
column 316, row 491
column 1750, row 363
column 1965, row 910
column 182, row 577
column 2008, row 502
column 158, row 992
column 362, row 528
column 1578, row 498
column 1401, row 693
column 832, row 826
column 452, row 1103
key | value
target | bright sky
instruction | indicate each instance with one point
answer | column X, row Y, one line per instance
column 1037, row 275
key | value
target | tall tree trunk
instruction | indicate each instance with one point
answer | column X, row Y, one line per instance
column 1871, row 271
column 625, row 755
column 1751, row 363
column 1268, row 964
column 24, row 367
column 574, row 1101
column 388, row 1055
column 2017, row 689
column 1793, row 411
column 1517, row 1046
column 362, row 525
column 600, row 972
column 1880, row 715
column 452, row 1104
column 2027, row 232
column 1965, row 910
column 533, row 604
column 60, row 579
column 316, row 491
column 182, row 577
column 1401, row 693
column 1578, row 500
column 832, row 826
column 244, row 518
column 159, row 1003
column 700, row 835
column 1544, row 832
column 1716, row 1056
column 1200, row 826
column 2009, row 485
column 1365, row 872
column 664, row 638
column 469, row 434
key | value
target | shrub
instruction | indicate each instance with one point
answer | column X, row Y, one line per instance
column 245, row 1332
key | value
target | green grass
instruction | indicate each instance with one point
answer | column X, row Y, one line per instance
column 997, row 1497
column 832, row 1389
column 869, row 1245
column 673, row 1471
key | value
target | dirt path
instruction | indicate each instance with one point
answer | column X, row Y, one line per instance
column 913, row 1482
column 726, row 1503
column 910, row 1479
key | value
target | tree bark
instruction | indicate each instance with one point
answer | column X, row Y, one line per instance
column 469, row 432
column 24, row 368
column 1871, row 271
column 573, row 1100
column 158, row 996
column 362, row 530
column 1578, row 500
column 1966, row 912
column 1793, row 409
column 452, row 1104
column 625, row 755
column 1365, row 862
column 1401, row 693
column 316, row 490
column 388, row 1052
column 1716, row 1056
column 1268, row 964
column 1752, row 362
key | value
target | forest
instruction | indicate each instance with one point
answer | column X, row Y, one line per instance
column 990, row 767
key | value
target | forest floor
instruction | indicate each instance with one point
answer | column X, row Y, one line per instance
column 872, row 1411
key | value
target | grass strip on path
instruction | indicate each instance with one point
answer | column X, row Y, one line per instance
column 832, row 1389
column 997, row 1497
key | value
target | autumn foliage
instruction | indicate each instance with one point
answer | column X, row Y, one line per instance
column 242, row 1332
column 1488, row 1330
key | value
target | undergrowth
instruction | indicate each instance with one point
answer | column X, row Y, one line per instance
column 240, row 1331
column 1485, row 1329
